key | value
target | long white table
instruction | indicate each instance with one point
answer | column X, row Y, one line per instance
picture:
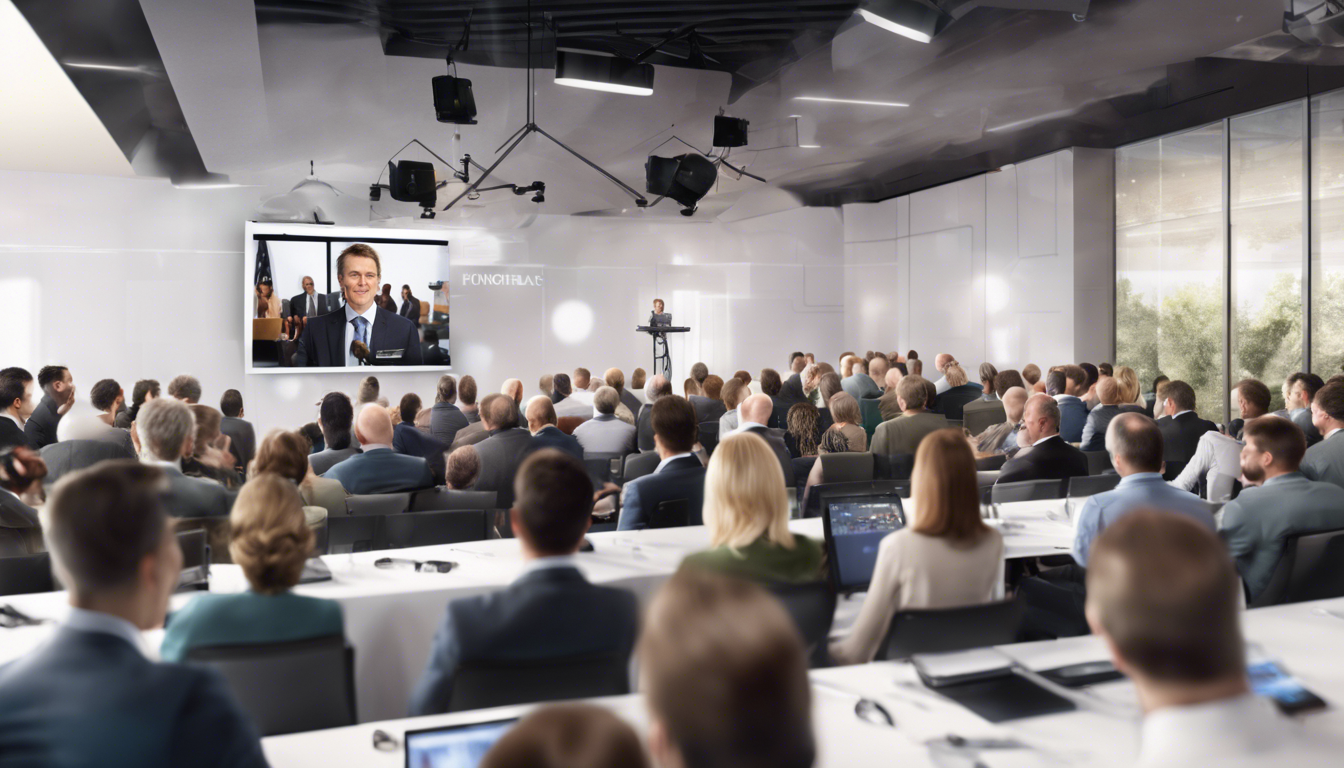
column 391, row 615
column 1102, row 732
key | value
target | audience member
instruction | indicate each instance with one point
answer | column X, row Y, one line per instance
column 1252, row 399
column 144, row 391
column 960, row 392
column 312, row 433
column 546, row 385
column 638, row 380
column 946, row 558
column 888, row 404
column 446, row 419
column 466, row 397
column 810, row 379
column 282, row 453
column 270, row 540
column 1280, row 502
column 1065, row 384
column 1298, row 392
column 1107, row 408
column 1325, row 460
column 568, row 736
column 242, row 438
column 940, row 363
column 167, row 435
column 58, row 395
column 793, row 390
column 336, row 418
column 84, row 440
column 847, row 419
column 16, row 406
column 1006, row 380
column 679, row 474
column 581, row 380
column 185, row 388
column 691, row 388
column 1130, row 393
column 747, row 513
column 541, row 424
column 847, row 362
column 210, row 457
column 858, row 384
column 904, row 434
column 1031, row 374
column 829, row 386
column 1091, row 375
column 915, row 367
column 513, row 389
column 1180, row 432
column 658, row 387
column 709, row 404
column 755, row 412
column 1217, row 459
column 994, row 439
column 378, row 468
column 803, row 430
column 368, row 390
column 877, row 371
column 1153, row 398
column 699, row 372
column 615, row 379
column 989, row 406
column 108, row 400
column 604, row 433
column 734, row 392
column 988, row 373
column 89, row 695
column 551, row 611
column 21, row 474
column 410, row 441
column 1050, row 458
column 464, row 466
column 503, row 450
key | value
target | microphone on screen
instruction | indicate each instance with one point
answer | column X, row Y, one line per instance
column 361, row 352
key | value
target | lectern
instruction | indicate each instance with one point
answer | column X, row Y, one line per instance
column 659, row 331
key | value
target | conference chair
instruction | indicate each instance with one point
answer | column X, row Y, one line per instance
column 871, row 411
column 1097, row 462
column 638, row 465
column 485, row 684
column 1311, row 568
column 673, row 513
column 1027, row 490
column 812, row 606
column 943, row 630
column 353, row 534
column 991, row 463
column 814, row 504
column 1092, row 485
column 709, row 436
column 599, row 467
column 978, row 421
column 195, row 572
column 441, row 498
column 303, row 685
column 26, row 574
column 897, row 466
column 378, row 504
column 423, row 529
column 848, row 467
column 218, row 532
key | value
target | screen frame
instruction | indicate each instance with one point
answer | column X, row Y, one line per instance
column 254, row 230
column 850, row 495
column 406, row 736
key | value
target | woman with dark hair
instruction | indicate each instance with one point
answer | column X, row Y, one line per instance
column 144, row 391
column 804, row 430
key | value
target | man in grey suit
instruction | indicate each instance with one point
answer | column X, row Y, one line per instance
column 1298, row 392
column 446, row 419
column 858, row 384
column 310, row 303
column 503, row 450
column 336, row 420
column 1259, row 521
column 604, row 433
column 904, row 434
column 658, row 386
column 242, row 437
column 379, row 468
column 167, row 432
column 1325, row 460
column 85, row 441
column 753, row 414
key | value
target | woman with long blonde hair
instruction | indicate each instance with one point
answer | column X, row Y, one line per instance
column 1130, row 393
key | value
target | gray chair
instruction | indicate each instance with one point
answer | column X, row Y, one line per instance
column 353, row 534
column 484, row 684
column 978, row 421
column 991, row 463
column 1027, row 490
column 1311, row 568
column 599, row 467
column 378, row 504
column 847, row 467
column 812, row 606
column 26, row 574
column 1098, row 462
column 423, row 529
column 943, row 630
column 1092, row 485
column 897, row 466
column 441, row 498
column 709, row 436
column 638, row 465
column 304, row 685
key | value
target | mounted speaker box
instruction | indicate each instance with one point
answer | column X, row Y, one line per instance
column 412, row 181
column 453, row 100
column 730, row 131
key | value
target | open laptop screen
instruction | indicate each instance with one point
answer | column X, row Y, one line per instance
column 455, row 746
column 855, row 526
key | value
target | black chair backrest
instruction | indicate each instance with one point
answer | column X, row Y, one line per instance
column 483, row 684
column 802, row 467
column 218, row 532
column 195, row 573
column 304, row 685
column 423, row 529
column 991, row 463
column 942, row 630
column 954, row 423
column 817, row 493
column 436, row 499
column 1092, row 485
column 1097, row 462
column 1027, row 490
column 896, row 466
column 26, row 574
column 1310, row 568
column 599, row 467
column 709, row 435
column 353, row 534
column 979, row 420
column 638, row 465
column 848, row 467
column 672, row 513
column 812, row 606
column 379, row 504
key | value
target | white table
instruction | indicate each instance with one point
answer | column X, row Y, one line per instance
column 1103, row 732
column 391, row 616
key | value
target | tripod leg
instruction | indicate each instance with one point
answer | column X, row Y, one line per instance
column 522, row 134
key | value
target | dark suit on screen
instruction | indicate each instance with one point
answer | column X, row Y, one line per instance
column 41, row 426
column 382, row 471
column 501, row 453
column 550, row 436
column 411, row 311
column 681, row 478
column 298, row 306
column 323, row 342
column 1180, row 438
column 11, row 434
column 1053, row 459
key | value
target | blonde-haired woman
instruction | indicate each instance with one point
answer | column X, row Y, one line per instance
column 271, row 542
column 946, row 557
column 1130, row 393
column 747, row 512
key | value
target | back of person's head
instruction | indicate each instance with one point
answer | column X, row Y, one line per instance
column 1330, row 400
column 745, row 496
column 658, row 386
column 553, row 502
column 447, row 390
column 463, row 467
column 1108, row 391
column 1157, row 385
column 103, row 523
column 860, row 366
column 844, row 409
column 829, row 384
column 312, row 435
column 561, row 386
column 144, row 388
column 513, row 389
column 581, row 378
column 734, row 392
column 1255, row 394
column 1105, row 369
column 282, row 453
column 373, row 425
column 1031, row 373
column 605, row 400
column 409, row 407
column 1014, row 403
column 725, row 676
column 916, row 367
column 1042, row 405
column 699, row 372
column 955, row 374
column 673, row 420
column 231, row 403
column 568, row 736
column 893, row 377
column 944, row 488
column 802, row 422
column 207, row 427
column 167, row 428
column 13, row 381
column 1310, row 382
column 546, row 383
column 1129, row 384
column 638, row 379
column 771, row 383
column 1162, row 590
column 270, row 539
column 1006, row 380
column 877, row 368
column 797, row 364
column 368, row 390
column 49, row 375
column 712, row 387
column 1281, row 438
column 988, row 375
column 615, row 379
column 186, row 388
column 540, row 411
column 499, row 412
column 690, row 387
column 1135, row 438
column 1181, row 394
column 912, row 391
column 756, row 409
column 833, row 441
column 466, row 390
column 104, row 394
column 1056, row 382
column 336, row 417
column 1091, row 374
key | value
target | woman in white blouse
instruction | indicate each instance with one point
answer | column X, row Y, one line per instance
column 946, row 557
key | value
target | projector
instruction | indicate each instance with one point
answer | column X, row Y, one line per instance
column 453, row 100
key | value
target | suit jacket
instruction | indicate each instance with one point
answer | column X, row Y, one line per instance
column 888, row 406
column 71, row 455
column 631, row 401
column 1098, row 419
column 1325, row 460
column 298, row 306
column 471, row 434
column 322, row 461
column 382, row 471
column 548, row 612
column 249, row 618
column 242, row 439
column 408, row 440
column 1053, row 459
column 777, row 445
column 861, row 386
column 550, row 436
column 707, row 409
column 196, row 497
column 445, row 420
column 681, row 478
column 644, row 428
column 323, row 341
column 904, row 435
column 1302, row 418
column 1180, row 438
column 19, row 525
column 989, row 411
column 41, row 426
column 1072, row 417
column 791, row 393
column 952, row 402
column 1259, row 521
column 12, row 434
column 501, row 453
column 91, row 698
column 606, row 434
column 411, row 311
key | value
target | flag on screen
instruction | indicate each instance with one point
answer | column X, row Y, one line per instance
column 263, row 270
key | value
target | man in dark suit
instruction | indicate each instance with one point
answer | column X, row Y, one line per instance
column 410, row 441
column 391, row 339
column 72, row 455
column 410, row 306
column 310, row 303
column 336, row 420
column 21, row 470
column 167, row 433
column 1299, row 390
column 545, row 434
column 242, row 438
column 549, row 612
column 754, row 412
column 446, row 418
column 89, row 696
column 1099, row 418
column 709, row 407
column 679, row 474
column 58, row 394
column 1043, row 454
column 658, row 387
column 16, row 406
column 1180, row 432
column 379, row 468
column 1325, row 460
column 503, row 450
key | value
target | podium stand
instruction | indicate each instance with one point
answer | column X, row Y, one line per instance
column 660, row 353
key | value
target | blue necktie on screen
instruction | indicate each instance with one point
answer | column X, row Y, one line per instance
column 361, row 329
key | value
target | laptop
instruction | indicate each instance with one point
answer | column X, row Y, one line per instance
column 854, row 526
column 454, row 746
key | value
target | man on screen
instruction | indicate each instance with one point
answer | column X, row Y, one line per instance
column 329, row 340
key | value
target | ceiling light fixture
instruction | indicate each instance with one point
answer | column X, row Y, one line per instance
column 809, row 146
column 851, row 101
column 907, row 18
column 603, row 73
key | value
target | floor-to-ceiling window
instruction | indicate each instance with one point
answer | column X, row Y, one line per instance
column 1327, row 234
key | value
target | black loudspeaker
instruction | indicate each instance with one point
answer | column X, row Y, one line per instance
column 730, row 131
column 453, row 101
column 684, row 178
column 412, row 181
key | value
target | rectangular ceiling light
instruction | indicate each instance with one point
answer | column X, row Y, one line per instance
column 603, row 73
column 903, row 17
column 851, row 101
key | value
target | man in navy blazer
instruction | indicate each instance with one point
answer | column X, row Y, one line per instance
column 326, row 339
column 409, row 440
column 550, row 611
column 90, row 696
column 679, row 475
column 1065, row 385
column 541, row 422
column 379, row 469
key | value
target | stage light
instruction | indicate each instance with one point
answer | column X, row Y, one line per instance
column 685, row 178
column 412, row 181
column 730, row 131
column 603, row 73
column 906, row 18
column 454, row 101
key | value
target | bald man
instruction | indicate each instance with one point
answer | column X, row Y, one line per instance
column 379, row 469
column 541, row 422
column 939, row 363
column 994, row 439
column 1050, row 458
column 503, row 450
column 753, row 414
column 514, row 389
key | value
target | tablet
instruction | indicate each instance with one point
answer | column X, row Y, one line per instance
column 454, row 746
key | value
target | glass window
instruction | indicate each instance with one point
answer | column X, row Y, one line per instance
column 1327, row 234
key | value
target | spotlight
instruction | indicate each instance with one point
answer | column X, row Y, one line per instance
column 453, row 100
column 412, row 181
column 907, row 18
column 730, row 131
column 685, row 178
column 603, row 73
